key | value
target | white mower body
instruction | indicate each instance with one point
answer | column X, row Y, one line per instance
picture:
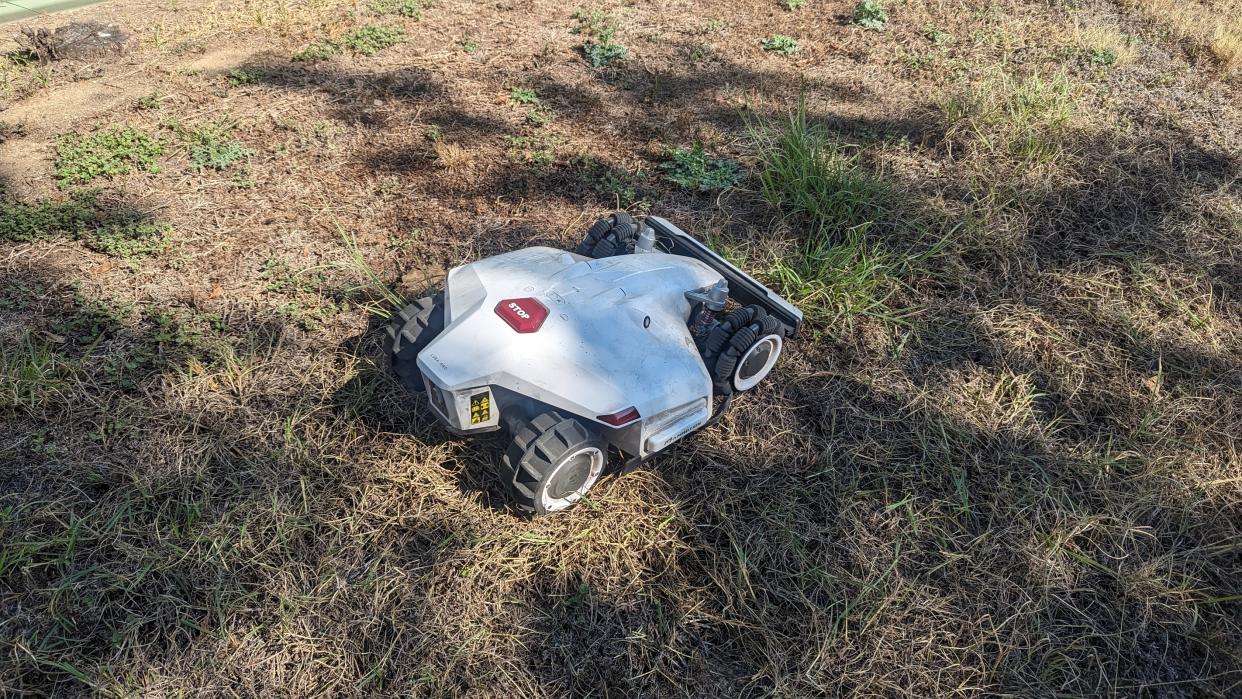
column 604, row 340
column 616, row 349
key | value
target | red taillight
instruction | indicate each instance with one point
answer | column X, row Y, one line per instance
column 523, row 315
column 630, row 414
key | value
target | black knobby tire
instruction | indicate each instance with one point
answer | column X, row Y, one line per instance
column 412, row 329
column 613, row 235
column 729, row 340
column 538, row 449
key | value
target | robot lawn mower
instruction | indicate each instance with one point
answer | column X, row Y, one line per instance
column 619, row 347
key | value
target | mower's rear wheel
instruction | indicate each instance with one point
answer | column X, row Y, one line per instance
column 613, row 235
column 412, row 329
column 552, row 462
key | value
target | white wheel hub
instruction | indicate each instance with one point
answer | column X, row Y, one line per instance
column 585, row 464
column 755, row 364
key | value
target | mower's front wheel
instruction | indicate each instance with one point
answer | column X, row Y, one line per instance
column 412, row 329
column 552, row 462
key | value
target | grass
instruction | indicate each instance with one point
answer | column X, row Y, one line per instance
column 1026, row 119
column 109, row 153
column 841, row 208
column 1211, row 28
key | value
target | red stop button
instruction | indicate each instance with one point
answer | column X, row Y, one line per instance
column 524, row 315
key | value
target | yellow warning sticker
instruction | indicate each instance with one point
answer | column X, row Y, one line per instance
column 480, row 408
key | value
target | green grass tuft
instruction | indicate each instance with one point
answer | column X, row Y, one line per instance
column 115, row 151
column 838, row 271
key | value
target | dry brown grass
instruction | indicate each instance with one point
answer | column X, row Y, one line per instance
column 1002, row 460
column 1214, row 26
column 453, row 156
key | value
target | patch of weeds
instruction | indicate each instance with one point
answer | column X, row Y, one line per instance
column 242, row 179
column 368, row 41
column 16, row 296
column 536, row 150
column 129, row 239
column 149, row 101
column 710, row 26
column 692, row 168
column 1102, row 56
column 308, row 317
column 406, row 8
column 211, row 147
column 283, row 279
column 93, row 320
column 781, row 44
column 23, row 223
column 870, row 14
column 320, row 50
column 937, row 35
column 793, row 5
column 113, row 231
column 623, row 189
column 523, row 95
column 600, row 28
column 115, row 151
column 699, row 53
column 539, row 117
column 243, row 76
column 470, row 45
